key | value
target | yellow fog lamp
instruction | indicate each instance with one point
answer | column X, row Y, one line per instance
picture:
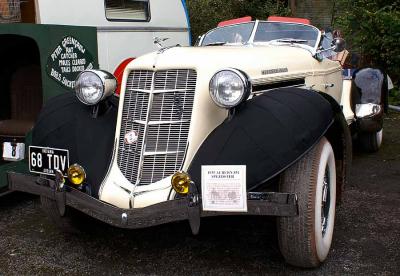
column 180, row 182
column 76, row 174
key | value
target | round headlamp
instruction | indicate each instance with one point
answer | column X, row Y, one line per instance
column 229, row 87
column 93, row 86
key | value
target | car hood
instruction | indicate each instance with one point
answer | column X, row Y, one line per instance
column 260, row 63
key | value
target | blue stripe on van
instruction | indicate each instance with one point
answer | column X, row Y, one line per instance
column 188, row 20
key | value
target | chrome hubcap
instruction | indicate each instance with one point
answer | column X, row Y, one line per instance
column 326, row 199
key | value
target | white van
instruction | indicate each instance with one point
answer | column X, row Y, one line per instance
column 46, row 44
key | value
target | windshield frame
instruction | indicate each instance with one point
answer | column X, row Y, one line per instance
column 313, row 50
column 255, row 23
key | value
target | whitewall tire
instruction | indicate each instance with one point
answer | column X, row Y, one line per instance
column 305, row 240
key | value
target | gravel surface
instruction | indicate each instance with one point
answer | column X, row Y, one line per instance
column 366, row 239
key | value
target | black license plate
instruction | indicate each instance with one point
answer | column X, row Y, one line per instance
column 48, row 160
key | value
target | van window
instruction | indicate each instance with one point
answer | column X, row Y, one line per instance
column 129, row 10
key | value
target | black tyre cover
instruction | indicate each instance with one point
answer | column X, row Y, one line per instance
column 267, row 134
column 66, row 123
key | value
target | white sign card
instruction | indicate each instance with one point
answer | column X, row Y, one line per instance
column 13, row 152
column 223, row 188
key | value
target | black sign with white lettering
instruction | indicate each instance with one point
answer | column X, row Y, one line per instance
column 67, row 60
column 48, row 160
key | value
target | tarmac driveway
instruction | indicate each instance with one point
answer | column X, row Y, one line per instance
column 366, row 239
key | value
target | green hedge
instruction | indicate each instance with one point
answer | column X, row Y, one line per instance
column 372, row 29
column 206, row 14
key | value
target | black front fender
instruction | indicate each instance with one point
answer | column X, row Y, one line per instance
column 267, row 134
column 66, row 123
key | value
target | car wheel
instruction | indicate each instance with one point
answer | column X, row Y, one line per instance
column 371, row 141
column 305, row 239
column 66, row 223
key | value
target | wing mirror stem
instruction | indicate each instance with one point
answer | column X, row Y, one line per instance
column 338, row 45
column 199, row 40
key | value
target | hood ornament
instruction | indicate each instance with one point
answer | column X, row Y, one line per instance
column 159, row 41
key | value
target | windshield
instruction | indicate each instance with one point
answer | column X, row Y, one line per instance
column 239, row 33
column 286, row 32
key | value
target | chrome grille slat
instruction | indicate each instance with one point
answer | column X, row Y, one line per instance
column 163, row 130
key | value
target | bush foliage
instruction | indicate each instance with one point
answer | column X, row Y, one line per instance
column 372, row 29
column 206, row 14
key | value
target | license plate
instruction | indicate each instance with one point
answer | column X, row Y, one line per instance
column 13, row 151
column 48, row 160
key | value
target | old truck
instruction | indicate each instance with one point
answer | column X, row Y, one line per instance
column 255, row 120
column 45, row 44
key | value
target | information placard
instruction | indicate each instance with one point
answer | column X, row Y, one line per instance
column 223, row 188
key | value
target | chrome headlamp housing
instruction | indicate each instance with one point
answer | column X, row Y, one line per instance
column 229, row 87
column 93, row 86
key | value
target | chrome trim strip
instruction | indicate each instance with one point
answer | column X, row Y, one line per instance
column 156, row 123
column 326, row 72
column 146, row 129
column 129, row 150
column 280, row 78
column 284, row 77
column 113, row 156
column 253, row 33
column 152, row 153
column 159, row 91
column 140, row 29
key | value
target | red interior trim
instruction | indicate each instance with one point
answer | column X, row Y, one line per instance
column 119, row 73
column 235, row 21
column 290, row 19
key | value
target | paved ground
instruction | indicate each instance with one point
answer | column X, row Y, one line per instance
column 366, row 241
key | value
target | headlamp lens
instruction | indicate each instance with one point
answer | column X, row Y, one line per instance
column 180, row 182
column 89, row 88
column 228, row 88
column 76, row 174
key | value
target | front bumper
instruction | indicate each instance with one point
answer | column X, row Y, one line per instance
column 187, row 208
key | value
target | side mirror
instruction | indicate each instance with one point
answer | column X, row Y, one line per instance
column 339, row 45
column 199, row 40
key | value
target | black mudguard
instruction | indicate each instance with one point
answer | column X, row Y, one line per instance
column 66, row 123
column 267, row 134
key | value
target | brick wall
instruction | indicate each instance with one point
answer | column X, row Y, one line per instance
column 318, row 11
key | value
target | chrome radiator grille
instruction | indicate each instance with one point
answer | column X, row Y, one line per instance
column 157, row 109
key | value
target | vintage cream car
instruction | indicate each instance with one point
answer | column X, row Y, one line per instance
column 254, row 121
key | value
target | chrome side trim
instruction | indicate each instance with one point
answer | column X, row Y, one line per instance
column 156, row 123
column 140, row 29
column 152, row 153
column 146, row 129
column 281, row 78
